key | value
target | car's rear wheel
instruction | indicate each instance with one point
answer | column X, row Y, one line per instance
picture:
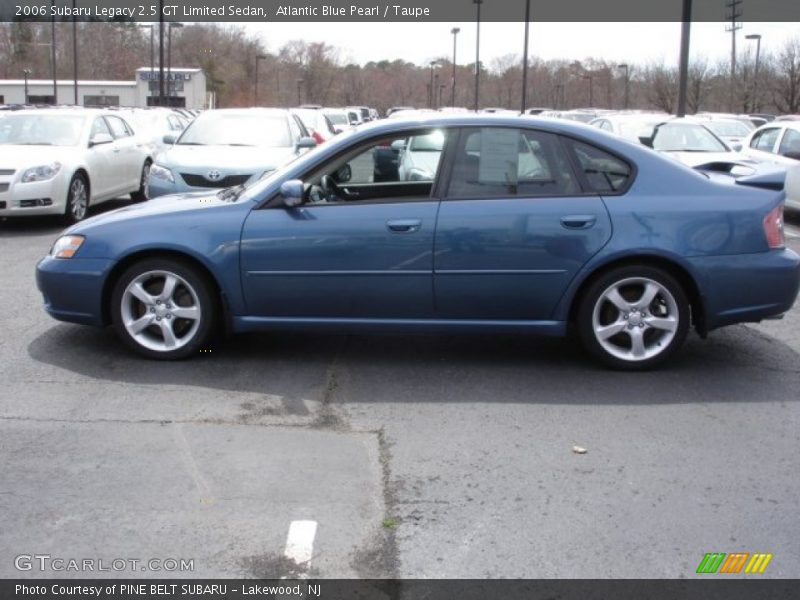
column 77, row 205
column 164, row 308
column 634, row 318
column 143, row 193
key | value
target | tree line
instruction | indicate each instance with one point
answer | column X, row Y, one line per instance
column 316, row 72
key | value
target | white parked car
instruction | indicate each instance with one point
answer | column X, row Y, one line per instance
column 338, row 119
column 687, row 140
column 62, row 161
column 418, row 156
column 777, row 143
column 731, row 131
column 153, row 124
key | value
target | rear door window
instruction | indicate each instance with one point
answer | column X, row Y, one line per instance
column 497, row 162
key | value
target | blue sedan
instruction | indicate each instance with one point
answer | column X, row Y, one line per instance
column 521, row 225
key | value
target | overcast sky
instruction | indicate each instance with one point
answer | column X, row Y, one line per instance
column 617, row 42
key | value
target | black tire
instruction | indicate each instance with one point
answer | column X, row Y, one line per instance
column 77, row 205
column 143, row 193
column 191, row 334
column 637, row 335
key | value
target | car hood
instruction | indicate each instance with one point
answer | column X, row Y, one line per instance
column 163, row 205
column 234, row 158
column 19, row 157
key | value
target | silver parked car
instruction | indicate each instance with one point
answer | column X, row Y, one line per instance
column 228, row 147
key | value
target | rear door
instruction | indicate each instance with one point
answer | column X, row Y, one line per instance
column 517, row 224
column 129, row 154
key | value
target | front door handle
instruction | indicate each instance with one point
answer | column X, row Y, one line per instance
column 578, row 221
column 404, row 225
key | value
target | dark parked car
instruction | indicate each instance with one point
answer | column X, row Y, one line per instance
column 525, row 225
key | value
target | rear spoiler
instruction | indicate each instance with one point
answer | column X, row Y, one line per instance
column 759, row 175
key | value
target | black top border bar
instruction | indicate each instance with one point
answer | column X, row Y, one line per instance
column 355, row 11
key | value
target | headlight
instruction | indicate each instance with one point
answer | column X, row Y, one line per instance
column 161, row 173
column 41, row 173
column 66, row 246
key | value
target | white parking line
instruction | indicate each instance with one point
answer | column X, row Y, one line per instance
column 300, row 545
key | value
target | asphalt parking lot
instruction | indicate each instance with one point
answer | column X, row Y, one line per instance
column 430, row 457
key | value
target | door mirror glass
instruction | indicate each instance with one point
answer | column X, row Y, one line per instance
column 292, row 192
column 398, row 145
column 306, row 143
column 343, row 174
column 170, row 139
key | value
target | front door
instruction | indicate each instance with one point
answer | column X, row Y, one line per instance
column 354, row 249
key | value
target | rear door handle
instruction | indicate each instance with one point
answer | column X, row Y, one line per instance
column 404, row 225
column 578, row 221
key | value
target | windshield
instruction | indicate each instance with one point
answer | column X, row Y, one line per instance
column 41, row 130
column 686, row 137
column 728, row 128
column 219, row 129
column 432, row 142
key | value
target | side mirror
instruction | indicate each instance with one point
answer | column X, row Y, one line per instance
column 100, row 138
column 292, row 192
column 170, row 139
column 646, row 141
column 306, row 143
column 398, row 145
column 736, row 146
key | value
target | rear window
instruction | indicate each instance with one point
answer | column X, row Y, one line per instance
column 604, row 171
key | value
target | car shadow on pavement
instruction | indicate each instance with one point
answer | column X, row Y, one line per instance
column 735, row 364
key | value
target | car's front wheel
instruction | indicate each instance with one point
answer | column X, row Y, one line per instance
column 164, row 308
column 143, row 193
column 77, row 205
column 634, row 317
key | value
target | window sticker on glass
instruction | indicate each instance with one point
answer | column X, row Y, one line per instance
column 499, row 156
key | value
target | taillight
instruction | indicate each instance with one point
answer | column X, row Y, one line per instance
column 317, row 137
column 773, row 227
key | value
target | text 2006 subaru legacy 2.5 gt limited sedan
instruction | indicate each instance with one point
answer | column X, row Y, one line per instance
column 523, row 225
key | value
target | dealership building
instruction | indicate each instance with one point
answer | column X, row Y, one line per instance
column 184, row 88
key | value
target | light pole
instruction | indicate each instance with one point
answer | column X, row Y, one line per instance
column 477, row 4
column 435, row 88
column 26, row 73
column 757, row 37
column 150, row 84
column 75, row 51
column 455, row 31
column 525, row 57
column 299, row 92
column 160, row 52
column 441, row 91
column 683, row 60
column 433, row 63
column 170, row 84
column 255, row 87
column 591, row 88
column 626, row 68
column 53, row 49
